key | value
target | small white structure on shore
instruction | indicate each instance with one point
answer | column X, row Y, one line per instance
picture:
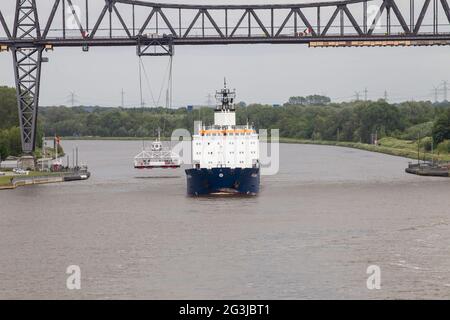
column 44, row 164
column 8, row 164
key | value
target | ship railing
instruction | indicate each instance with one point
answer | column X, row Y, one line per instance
column 216, row 127
column 146, row 154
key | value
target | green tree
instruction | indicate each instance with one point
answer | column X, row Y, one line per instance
column 8, row 108
column 10, row 142
column 378, row 117
column 441, row 128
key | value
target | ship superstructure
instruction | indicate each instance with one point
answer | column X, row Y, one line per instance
column 225, row 156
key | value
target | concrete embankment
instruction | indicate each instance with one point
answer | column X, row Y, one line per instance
column 63, row 177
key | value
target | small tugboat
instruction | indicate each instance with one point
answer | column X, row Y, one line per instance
column 157, row 157
column 225, row 155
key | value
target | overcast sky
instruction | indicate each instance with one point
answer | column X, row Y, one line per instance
column 260, row 73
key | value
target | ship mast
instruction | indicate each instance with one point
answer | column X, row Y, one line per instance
column 225, row 97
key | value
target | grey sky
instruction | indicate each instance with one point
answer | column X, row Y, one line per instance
column 260, row 73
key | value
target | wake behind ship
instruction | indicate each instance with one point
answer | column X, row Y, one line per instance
column 225, row 156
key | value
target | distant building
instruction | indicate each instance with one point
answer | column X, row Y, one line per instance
column 8, row 164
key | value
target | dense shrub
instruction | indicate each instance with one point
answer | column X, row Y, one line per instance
column 441, row 128
column 444, row 147
column 10, row 142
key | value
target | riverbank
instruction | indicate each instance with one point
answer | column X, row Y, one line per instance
column 6, row 180
column 35, row 178
column 390, row 146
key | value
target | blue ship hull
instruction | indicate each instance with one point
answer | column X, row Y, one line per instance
column 223, row 181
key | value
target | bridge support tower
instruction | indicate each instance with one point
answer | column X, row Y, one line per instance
column 27, row 61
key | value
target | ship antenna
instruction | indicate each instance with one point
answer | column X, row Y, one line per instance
column 225, row 82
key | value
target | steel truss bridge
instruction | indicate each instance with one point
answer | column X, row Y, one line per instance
column 155, row 28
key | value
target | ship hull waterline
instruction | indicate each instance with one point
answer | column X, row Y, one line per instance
column 157, row 167
column 223, row 181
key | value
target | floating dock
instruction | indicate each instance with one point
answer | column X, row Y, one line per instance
column 429, row 169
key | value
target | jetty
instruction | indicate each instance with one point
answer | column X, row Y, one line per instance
column 429, row 169
column 22, row 181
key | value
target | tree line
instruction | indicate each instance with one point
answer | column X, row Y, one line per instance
column 10, row 143
column 350, row 121
column 10, row 140
column 313, row 117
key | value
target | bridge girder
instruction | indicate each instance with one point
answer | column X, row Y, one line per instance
column 129, row 21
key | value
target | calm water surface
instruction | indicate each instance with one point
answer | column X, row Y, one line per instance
column 311, row 233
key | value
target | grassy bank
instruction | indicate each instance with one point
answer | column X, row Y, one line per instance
column 391, row 146
column 6, row 180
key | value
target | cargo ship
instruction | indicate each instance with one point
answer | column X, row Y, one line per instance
column 225, row 156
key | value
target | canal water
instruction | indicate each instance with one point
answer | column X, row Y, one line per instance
column 316, row 227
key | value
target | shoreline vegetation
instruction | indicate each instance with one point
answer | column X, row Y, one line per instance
column 390, row 146
column 6, row 181
column 13, row 181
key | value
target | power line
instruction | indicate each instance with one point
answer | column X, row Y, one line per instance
column 171, row 81
column 167, row 75
column 166, row 78
column 72, row 98
column 209, row 101
column 148, row 84
column 445, row 89
column 140, row 83
column 436, row 92
column 169, row 91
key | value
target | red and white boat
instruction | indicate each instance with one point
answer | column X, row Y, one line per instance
column 157, row 158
